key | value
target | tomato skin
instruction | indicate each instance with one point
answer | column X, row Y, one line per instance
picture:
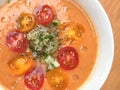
column 71, row 32
column 44, row 14
column 26, row 22
column 34, row 78
column 17, row 41
column 21, row 64
column 57, row 79
column 68, row 58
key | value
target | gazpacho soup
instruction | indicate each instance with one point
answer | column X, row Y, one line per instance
column 45, row 45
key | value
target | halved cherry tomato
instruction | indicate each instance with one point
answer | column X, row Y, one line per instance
column 17, row 41
column 21, row 64
column 44, row 14
column 26, row 22
column 57, row 79
column 71, row 32
column 68, row 58
column 34, row 79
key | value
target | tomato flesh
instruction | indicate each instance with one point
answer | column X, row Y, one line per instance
column 26, row 22
column 71, row 32
column 21, row 64
column 57, row 79
column 34, row 79
column 17, row 41
column 68, row 58
column 44, row 14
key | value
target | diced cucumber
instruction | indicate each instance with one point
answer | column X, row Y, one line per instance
column 51, row 62
column 49, row 59
column 55, row 64
column 50, row 67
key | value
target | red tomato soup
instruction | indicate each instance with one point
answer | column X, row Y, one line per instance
column 45, row 45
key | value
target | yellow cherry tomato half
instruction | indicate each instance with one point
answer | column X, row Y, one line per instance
column 26, row 22
column 21, row 64
column 57, row 79
column 70, row 32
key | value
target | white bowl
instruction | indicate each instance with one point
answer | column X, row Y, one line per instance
column 106, row 45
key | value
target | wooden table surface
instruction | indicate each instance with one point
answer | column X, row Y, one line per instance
column 112, row 8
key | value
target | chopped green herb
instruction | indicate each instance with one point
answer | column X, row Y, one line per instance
column 56, row 23
column 42, row 41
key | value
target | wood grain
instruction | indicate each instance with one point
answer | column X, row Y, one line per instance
column 112, row 8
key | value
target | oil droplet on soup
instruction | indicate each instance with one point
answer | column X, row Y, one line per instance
column 75, row 77
column 83, row 49
column 4, row 19
column 27, row 2
column 15, row 84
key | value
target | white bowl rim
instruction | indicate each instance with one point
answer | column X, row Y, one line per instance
column 104, row 60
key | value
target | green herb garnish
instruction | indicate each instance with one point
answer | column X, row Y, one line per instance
column 42, row 41
column 56, row 23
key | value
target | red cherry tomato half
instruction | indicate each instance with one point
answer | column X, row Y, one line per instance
column 34, row 79
column 68, row 58
column 17, row 41
column 44, row 14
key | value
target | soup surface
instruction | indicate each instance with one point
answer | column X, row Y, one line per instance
column 67, row 40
